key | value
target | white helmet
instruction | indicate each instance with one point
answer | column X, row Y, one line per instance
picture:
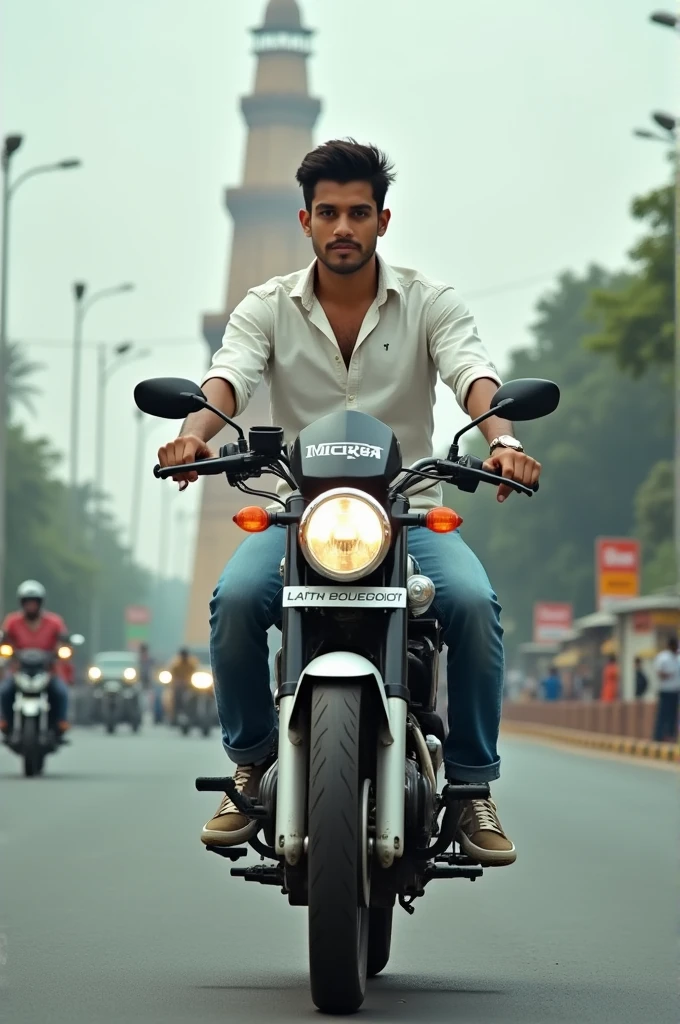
column 31, row 590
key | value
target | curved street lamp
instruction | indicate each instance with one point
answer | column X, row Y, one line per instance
column 11, row 144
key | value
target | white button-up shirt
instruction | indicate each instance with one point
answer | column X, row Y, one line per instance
column 415, row 329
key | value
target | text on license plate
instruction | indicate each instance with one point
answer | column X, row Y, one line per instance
column 344, row 597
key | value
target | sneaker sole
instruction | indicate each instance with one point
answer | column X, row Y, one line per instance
column 213, row 837
column 487, row 858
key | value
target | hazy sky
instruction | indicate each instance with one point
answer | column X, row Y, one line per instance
column 510, row 125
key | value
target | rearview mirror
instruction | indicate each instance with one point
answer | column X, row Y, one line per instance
column 531, row 398
column 171, row 398
column 77, row 640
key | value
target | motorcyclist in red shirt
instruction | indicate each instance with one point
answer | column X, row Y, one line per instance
column 33, row 627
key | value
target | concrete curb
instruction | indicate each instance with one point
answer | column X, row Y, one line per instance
column 598, row 741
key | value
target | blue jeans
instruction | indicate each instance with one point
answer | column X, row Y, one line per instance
column 57, row 694
column 247, row 602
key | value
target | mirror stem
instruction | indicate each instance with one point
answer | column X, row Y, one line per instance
column 205, row 404
column 453, row 450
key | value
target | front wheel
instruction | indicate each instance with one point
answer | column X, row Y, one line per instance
column 339, row 766
column 33, row 758
column 379, row 939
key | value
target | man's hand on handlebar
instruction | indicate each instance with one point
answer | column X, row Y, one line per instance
column 186, row 448
column 514, row 466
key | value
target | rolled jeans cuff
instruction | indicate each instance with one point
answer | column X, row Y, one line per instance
column 473, row 773
column 253, row 754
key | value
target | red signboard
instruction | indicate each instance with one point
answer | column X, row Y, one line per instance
column 617, row 570
column 552, row 621
column 137, row 615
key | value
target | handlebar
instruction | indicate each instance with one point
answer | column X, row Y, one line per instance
column 468, row 470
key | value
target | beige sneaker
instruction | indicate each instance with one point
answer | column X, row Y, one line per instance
column 229, row 827
column 481, row 835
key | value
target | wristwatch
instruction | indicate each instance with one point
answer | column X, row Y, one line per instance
column 506, row 441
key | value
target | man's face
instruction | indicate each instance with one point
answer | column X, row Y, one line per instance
column 344, row 225
column 31, row 608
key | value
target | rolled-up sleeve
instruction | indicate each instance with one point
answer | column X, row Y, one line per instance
column 455, row 346
column 246, row 348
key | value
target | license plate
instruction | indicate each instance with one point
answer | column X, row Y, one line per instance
column 112, row 687
column 344, row 597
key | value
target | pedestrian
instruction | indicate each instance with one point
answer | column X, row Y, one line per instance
column 610, row 681
column 641, row 680
column 667, row 669
column 551, row 686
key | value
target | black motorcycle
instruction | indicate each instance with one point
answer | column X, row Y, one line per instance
column 195, row 704
column 350, row 814
column 33, row 736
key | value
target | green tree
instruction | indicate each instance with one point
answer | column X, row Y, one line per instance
column 20, row 388
column 596, row 451
column 637, row 320
column 654, row 526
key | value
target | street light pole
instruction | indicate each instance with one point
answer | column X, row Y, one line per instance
column 10, row 145
column 105, row 369
column 82, row 305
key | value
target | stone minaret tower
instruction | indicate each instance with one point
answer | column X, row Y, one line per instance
column 267, row 241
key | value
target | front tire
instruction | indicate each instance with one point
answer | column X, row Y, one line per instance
column 33, row 758
column 379, row 939
column 338, row 922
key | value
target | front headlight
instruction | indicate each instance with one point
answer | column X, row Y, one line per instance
column 345, row 534
column 129, row 675
column 6, row 650
column 165, row 677
column 94, row 673
column 64, row 652
column 202, row 680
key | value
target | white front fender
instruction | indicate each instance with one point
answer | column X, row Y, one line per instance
column 339, row 665
column 30, row 707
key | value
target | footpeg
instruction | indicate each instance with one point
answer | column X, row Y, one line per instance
column 262, row 873
column 455, row 792
column 228, row 786
column 454, row 871
column 230, row 852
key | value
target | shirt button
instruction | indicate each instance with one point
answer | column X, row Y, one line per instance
column 337, row 359
column 352, row 398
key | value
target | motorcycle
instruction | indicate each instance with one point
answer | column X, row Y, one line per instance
column 116, row 693
column 350, row 815
column 32, row 736
column 195, row 704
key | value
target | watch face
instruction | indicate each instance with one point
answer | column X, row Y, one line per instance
column 506, row 441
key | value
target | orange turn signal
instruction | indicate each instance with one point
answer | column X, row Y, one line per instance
column 252, row 519
column 442, row 520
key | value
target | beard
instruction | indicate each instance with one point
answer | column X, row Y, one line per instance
column 324, row 255
column 32, row 615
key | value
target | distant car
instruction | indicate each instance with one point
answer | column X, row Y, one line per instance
column 115, row 690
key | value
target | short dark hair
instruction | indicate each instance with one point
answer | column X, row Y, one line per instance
column 345, row 160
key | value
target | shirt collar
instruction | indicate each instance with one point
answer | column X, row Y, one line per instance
column 387, row 282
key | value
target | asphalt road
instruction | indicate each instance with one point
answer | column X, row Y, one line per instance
column 111, row 911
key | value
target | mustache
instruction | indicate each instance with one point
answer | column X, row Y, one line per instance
column 343, row 245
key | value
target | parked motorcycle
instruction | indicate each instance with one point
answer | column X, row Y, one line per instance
column 32, row 736
column 350, row 815
column 116, row 697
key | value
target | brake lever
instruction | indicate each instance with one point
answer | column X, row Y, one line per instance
column 474, row 473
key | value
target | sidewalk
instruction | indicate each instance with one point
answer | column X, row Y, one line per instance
column 596, row 740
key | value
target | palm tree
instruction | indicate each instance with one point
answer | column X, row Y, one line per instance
column 20, row 389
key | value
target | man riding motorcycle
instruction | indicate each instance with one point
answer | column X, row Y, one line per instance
column 352, row 332
column 33, row 627
column 182, row 668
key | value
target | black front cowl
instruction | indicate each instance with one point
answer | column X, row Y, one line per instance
column 346, row 448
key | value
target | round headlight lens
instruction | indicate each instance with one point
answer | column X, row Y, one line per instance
column 6, row 650
column 64, row 652
column 129, row 675
column 94, row 673
column 165, row 677
column 345, row 534
column 202, row 680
